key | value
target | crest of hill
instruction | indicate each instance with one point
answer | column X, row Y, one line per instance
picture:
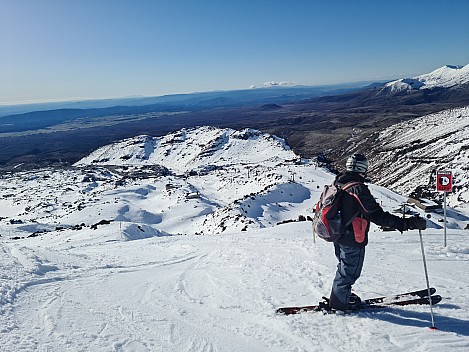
column 189, row 149
column 270, row 107
column 444, row 77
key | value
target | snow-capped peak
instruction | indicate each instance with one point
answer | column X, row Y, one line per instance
column 446, row 76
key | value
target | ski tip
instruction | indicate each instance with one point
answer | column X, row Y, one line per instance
column 286, row 311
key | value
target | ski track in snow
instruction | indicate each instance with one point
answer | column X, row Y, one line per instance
column 219, row 293
column 148, row 281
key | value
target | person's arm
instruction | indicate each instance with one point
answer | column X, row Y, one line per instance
column 376, row 214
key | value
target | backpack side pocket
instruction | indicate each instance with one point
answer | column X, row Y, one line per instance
column 359, row 225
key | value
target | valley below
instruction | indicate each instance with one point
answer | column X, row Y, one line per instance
column 331, row 126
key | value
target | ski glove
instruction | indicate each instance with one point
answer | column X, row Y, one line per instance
column 416, row 223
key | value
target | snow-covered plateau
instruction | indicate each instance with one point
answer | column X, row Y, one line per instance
column 189, row 242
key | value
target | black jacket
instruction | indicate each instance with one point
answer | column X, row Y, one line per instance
column 359, row 208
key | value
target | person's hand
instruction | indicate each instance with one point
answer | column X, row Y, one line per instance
column 416, row 223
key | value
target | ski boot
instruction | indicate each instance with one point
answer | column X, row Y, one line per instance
column 354, row 302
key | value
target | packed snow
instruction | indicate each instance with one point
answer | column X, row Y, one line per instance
column 446, row 76
column 148, row 245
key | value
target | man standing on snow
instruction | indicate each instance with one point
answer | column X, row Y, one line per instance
column 358, row 211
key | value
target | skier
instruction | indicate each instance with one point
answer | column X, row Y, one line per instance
column 357, row 211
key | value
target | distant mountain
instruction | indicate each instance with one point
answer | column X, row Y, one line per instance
column 444, row 77
column 254, row 96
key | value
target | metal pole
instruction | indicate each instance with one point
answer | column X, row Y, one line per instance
column 444, row 211
column 428, row 282
column 314, row 235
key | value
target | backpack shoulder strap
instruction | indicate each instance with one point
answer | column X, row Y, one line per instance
column 350, row 184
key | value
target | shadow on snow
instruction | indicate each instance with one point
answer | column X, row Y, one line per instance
column 423, row 319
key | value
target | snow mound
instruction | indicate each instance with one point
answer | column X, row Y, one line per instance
column 141, row 231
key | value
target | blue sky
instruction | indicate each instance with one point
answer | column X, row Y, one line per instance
column 54, row 50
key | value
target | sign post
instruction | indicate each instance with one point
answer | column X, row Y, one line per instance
column 444, row 183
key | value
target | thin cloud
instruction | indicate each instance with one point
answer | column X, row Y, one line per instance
column 276, row 83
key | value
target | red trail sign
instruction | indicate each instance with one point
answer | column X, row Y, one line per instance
column 444, row 181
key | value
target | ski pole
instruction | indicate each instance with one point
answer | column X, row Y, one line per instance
column 314, row 234
column 433, row 327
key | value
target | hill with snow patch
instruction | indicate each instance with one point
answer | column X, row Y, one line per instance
column 407, row 155
column 196, row 148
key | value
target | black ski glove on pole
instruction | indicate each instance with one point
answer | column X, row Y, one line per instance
column 416, row 223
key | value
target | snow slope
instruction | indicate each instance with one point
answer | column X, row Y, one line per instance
column 446, row 76
column 110, row 258
column 409, row 153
